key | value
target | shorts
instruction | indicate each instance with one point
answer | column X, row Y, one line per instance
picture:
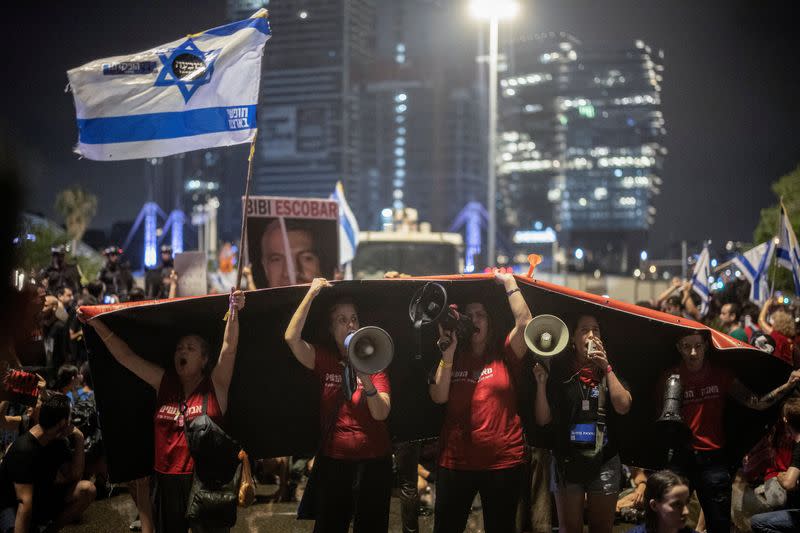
column 606, row 483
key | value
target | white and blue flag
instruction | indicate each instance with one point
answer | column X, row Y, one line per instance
column 788, row 251
column 754, row 264
column 700, row 279
column 348, row 227
column 197, row 92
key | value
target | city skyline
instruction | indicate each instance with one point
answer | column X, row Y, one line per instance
column 727, row 99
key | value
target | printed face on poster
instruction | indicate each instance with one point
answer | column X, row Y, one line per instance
column 292, row 240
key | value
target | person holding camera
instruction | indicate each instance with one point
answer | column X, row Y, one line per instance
column 481, row 444
column 703, row 461
column 352, row 473
column 40, row 476
column 181, row 391
column 582, row 388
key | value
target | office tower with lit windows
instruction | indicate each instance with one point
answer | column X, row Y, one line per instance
column 378, row 94
column 581, row 145
column 310, row 112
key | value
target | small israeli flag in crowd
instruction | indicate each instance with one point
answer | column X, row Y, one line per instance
column 197, row 92
column 754, row 264
column 348, row 226
column 700, row 276
column 788, row 251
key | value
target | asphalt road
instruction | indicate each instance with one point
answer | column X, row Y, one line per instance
column 115, row 514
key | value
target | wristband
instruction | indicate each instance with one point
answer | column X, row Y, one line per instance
column 444, row 364
column 609, row 369
column 104, row 339
column 512, row 291
column 371, row 393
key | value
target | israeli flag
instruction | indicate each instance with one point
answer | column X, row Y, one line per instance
column 788, row 251
column 197, row 92
column 348, row 227
column 700, row 279
column 754, row 264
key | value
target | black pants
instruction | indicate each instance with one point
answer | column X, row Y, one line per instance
column 353, row 490
column 170, row 499
column 407, row 456
column 709, row 474
column 499, row 490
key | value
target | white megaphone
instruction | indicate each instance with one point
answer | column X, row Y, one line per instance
column 546, row 336
column 369, row 349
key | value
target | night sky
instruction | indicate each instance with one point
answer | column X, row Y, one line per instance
column 731, row 96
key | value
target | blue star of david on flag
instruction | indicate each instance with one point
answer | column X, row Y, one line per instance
column 190, row 58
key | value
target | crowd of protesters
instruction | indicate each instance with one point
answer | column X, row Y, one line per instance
column 52, row 443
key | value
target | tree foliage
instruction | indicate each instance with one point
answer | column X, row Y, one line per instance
column 788, row 189
column 33, row 245
column 78, row 207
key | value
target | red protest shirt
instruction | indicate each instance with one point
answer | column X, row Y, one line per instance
column 355, row 434
column 704, row 395
column 172, row 451
column 482, row 429
column 784, row 347
column 783, row 446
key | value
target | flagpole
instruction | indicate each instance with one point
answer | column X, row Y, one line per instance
column 244, row 208
column 775, row 255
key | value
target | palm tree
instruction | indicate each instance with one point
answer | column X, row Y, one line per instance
column 78, row 207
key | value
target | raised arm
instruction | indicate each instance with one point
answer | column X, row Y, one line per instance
column 440, row 388
column 520, row 311
column 223, row 373
column 173, row 285
column 748, row 398
column 302, row 350
column 148, row 372
column 688, row 303
column 674, row 286
column 541, row 406
column 763, row 323
column 621, row 399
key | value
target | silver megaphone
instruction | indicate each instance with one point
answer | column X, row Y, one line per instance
column 369, row 350
column 546, row 336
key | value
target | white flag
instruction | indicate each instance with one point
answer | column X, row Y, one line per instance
column 348, row 227
column 754, row 264
column 788, row 251
column 197, row 92
column 700, row 283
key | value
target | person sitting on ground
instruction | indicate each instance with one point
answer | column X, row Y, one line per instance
column 41, row 473
column 787, row 519
column 631, row 500
column 666, row 507
column 70, row 383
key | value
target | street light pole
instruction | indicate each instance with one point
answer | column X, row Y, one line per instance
column 491, row 201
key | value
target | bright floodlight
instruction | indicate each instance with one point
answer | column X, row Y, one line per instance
column 486, row 9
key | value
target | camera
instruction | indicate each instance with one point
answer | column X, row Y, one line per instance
column 459, row 323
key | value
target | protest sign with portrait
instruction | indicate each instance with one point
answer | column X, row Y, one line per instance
column 306, row 230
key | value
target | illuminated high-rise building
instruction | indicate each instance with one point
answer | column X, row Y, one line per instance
column 581, row 145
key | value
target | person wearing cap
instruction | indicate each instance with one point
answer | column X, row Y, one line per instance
column 60, row 273
column 116, row 274
column 157, row 279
